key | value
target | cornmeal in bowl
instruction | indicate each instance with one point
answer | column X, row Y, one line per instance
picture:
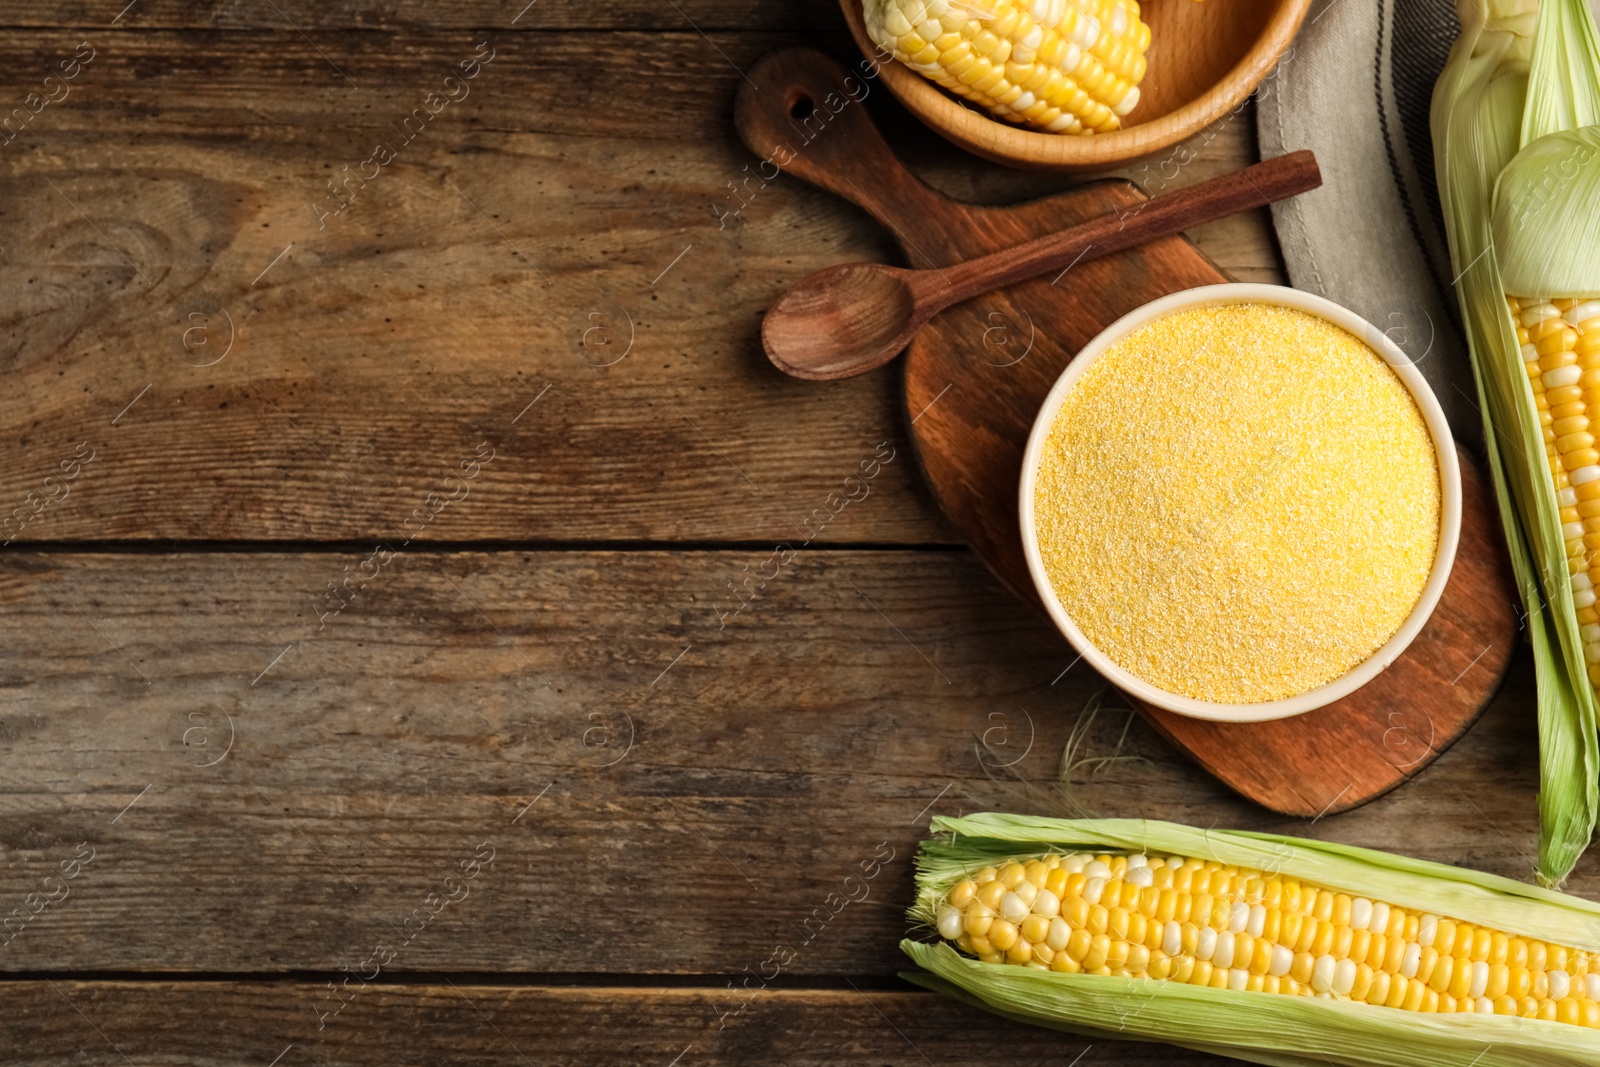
column 1238, row 504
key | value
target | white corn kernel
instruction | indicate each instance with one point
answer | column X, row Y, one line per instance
column 1534, row 315
column 1088, row 30
column 1583, row 312
column 1222, row 955
column 1480, row 979
column 1322, row 974
column 1344, row 977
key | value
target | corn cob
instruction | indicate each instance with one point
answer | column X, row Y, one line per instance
column 1206, row 923
column 1274, row 949
column 1560, row 343
column 1514, row 144
column 1067, row 66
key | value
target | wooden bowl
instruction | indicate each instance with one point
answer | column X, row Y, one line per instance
column 1205, row 59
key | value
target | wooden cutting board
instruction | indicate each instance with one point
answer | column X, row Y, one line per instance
column 977, row 374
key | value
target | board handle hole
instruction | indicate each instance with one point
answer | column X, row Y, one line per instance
column 801, row 106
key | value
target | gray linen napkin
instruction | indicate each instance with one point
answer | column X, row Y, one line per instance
column 1355, row 88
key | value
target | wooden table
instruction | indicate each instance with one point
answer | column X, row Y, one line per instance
column 371, row 631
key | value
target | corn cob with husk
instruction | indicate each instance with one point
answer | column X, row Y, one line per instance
column 1514, row 149
column 1067, row 66
column 1272, row 949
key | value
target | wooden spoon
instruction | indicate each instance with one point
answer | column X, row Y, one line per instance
column 847, row 320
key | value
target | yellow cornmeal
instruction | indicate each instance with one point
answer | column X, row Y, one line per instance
column 1238, row 504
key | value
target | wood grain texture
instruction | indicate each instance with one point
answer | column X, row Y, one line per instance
column 371, row 757
column 232, row 1024
column 972, row 403
column 383, row 347
column 403, row 16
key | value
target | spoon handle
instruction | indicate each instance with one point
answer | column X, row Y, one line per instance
column 1161, row 216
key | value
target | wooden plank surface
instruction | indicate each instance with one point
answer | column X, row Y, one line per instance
column 98, row 1023
column 649, row 791
column 682, row 16
column 769, row 759
column 372, row 351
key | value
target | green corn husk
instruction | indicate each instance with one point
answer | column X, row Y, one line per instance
column 1288, row 1031
column 1542, row 192
column 1521, row 71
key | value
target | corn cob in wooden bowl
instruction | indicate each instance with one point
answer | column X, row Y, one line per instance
column 1072, row 85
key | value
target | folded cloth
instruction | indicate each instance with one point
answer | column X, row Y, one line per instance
column 1355, row 88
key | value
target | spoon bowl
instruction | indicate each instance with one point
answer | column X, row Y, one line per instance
column 840, row 321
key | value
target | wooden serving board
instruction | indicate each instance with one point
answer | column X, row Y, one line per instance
column 977, row 374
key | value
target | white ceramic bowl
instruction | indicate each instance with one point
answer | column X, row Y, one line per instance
column 1449, row 499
